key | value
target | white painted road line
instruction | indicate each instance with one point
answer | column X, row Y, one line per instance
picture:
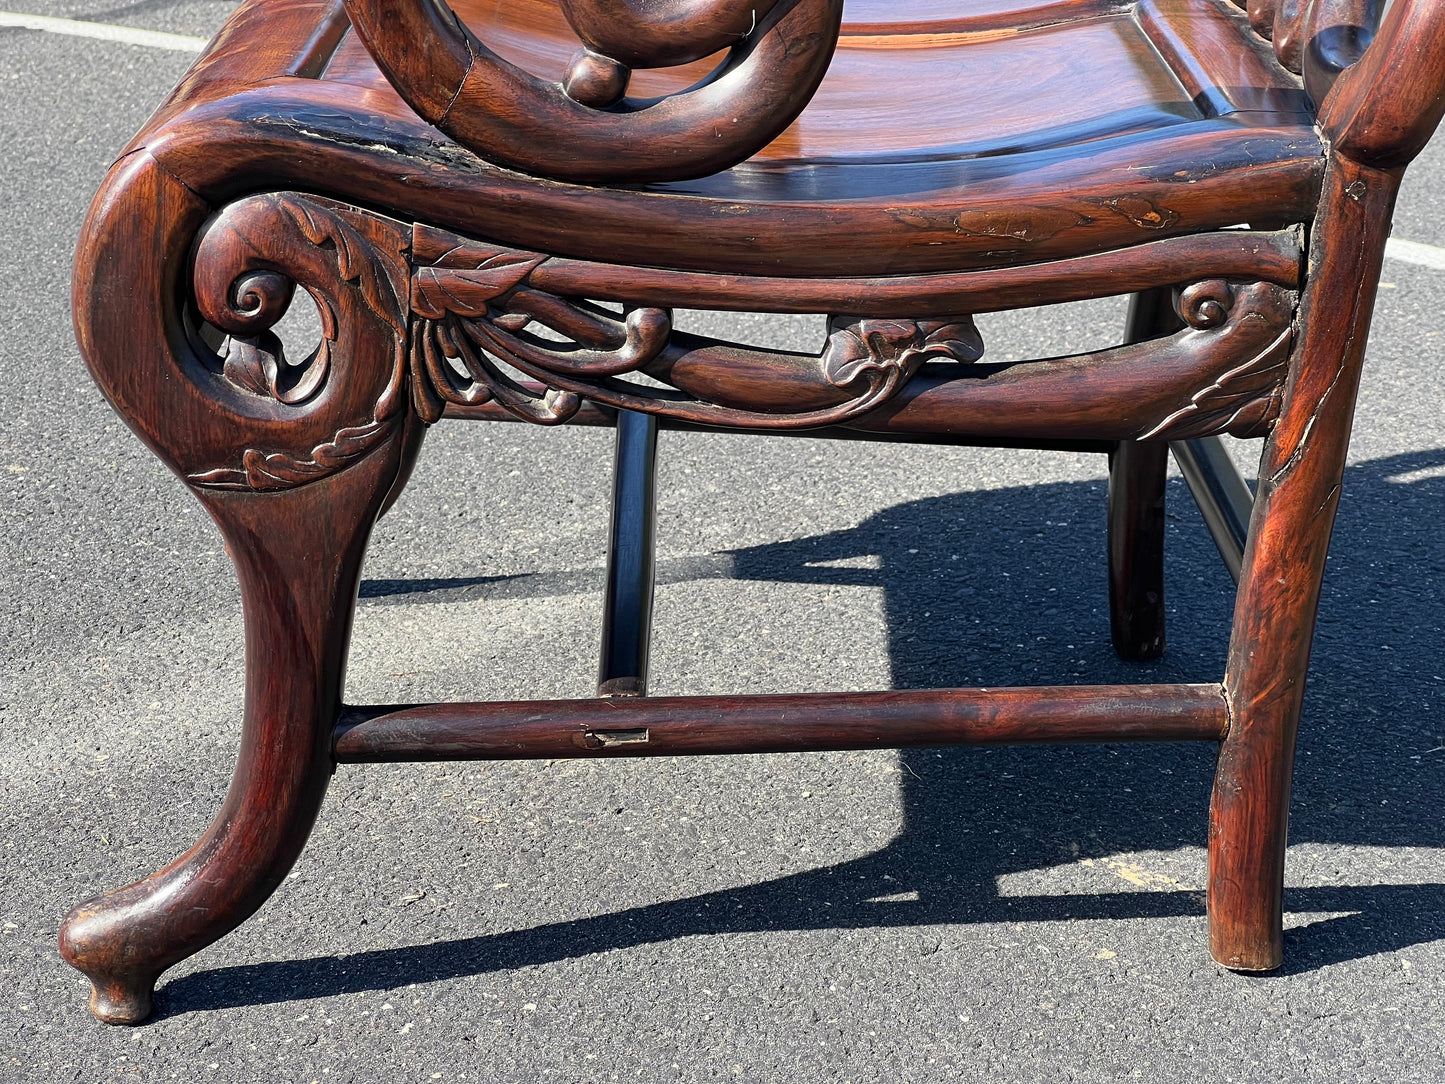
column 1416, row 253
column 127, row 35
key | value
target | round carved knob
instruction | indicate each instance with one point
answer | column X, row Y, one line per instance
column 596, row 80
column 1203, row 305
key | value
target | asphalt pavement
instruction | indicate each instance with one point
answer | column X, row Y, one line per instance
column 963, row 915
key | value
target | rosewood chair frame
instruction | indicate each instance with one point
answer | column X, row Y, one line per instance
column 244, row 186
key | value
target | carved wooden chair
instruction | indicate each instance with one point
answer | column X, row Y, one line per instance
column 495, row 208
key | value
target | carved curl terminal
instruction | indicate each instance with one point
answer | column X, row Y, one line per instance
column 247, row 266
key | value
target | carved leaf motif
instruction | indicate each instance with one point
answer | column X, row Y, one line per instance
column 354, row 260
column 259, row 364
column 488, row 325
column 476, row 303
column 251, row 363
column 467, row 292
column 278, row 470
column 439, row 344
column 859, row 347
column 1236, row 396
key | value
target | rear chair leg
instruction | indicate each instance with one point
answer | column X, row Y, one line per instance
column 1284, row 561
column 298, row 554
column 1137, row 472
column 627, row 605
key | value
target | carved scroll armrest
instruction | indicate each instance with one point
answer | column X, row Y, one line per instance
column 1383, row 109
column 584, row 130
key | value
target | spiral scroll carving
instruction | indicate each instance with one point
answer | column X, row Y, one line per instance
column 247, row 267
column 1244, row 397
column 1204, row 305
column 256, row 359
column 257, row 301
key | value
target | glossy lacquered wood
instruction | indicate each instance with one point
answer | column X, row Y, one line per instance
column 698, row 726
column 512, row 242
column 1284, row 561
column 298, row 555
column 878, row 177
column 1384, row 109
column 509, row 116
column 297, row 549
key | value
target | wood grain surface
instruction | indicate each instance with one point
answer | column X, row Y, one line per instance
column 698, row 726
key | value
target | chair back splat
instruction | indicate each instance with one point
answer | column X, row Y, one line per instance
column 496, row 208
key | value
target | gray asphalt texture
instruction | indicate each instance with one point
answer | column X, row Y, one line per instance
column 1006, row 915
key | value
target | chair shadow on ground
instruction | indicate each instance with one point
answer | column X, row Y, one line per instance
column 1011, row 608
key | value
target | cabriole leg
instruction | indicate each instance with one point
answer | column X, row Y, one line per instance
column 1284, row 562
column 298, row 554
column 292, row 457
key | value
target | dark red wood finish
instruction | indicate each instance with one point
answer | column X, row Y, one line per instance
column 1137, row 472
column 1093, row 148
column 806, row 722
column 509, row 116
column 1284, row 562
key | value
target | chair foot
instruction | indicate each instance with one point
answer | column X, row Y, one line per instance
column 89, row 939
column 1249, row 824
column 1247, row 959
column 115, row 1003
column 1247, row 835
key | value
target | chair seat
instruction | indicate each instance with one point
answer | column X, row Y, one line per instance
column 935, row 142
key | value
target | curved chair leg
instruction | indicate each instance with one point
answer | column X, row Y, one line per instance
column 298, row 554
column 1284, row 562
column 411, row 441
